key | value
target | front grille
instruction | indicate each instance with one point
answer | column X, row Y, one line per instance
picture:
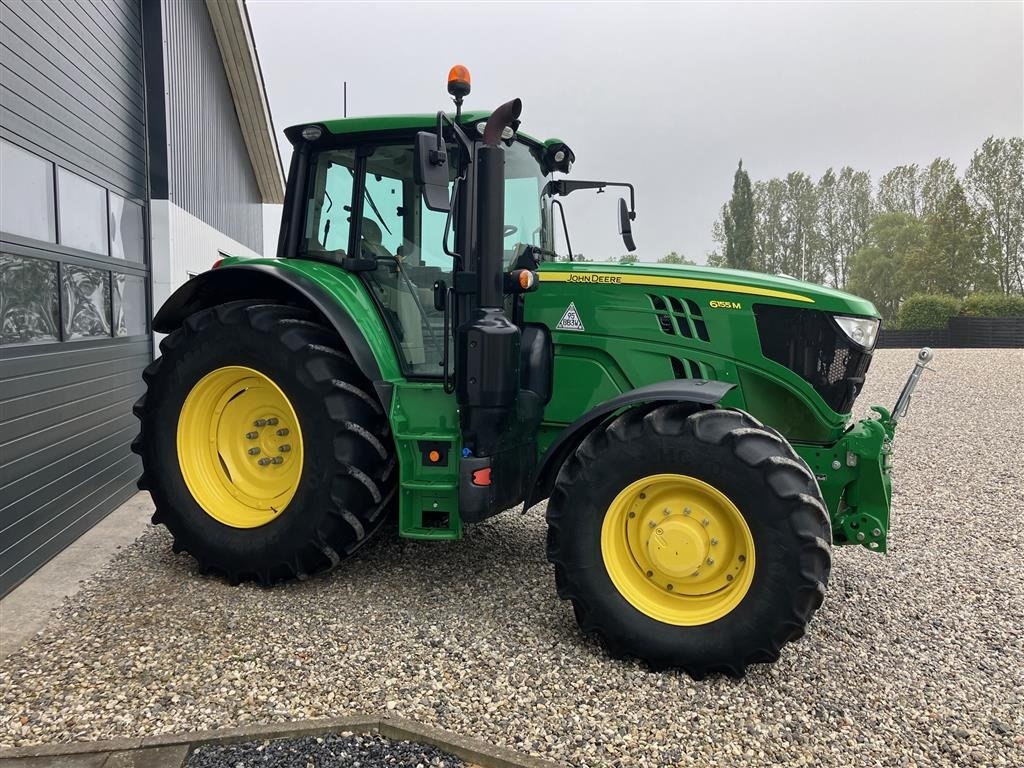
column 809, row 343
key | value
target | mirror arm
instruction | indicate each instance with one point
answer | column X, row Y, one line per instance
column 563, row 187
column 565, row 227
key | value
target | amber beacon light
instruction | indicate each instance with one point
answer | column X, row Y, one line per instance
column 458, row 82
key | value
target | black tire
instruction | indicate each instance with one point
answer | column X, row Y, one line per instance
column 347, row 485
column 766, row 480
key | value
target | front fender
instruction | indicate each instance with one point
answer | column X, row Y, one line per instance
column 697, row 391
column 338, row 296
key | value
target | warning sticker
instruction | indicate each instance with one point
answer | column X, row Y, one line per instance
column 570, row 320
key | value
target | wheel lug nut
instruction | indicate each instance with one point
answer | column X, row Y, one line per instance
column 728, row 577
column 272, row 421
column 632, row 515
column 652, row 524
column 254, row 451
column 686, row 511
column 277, row 460
column 705, row 522
column 714, row 541
column 649, row 574
column 285, row 448
column 742, row 558
column 282, row 432
column 252, row 435
column 710, row 561
column 696, row 573
column 265, row 461
column 643, row 495
column 260, row 423
column 876, row 532
column 668, row 587
column 666, row 513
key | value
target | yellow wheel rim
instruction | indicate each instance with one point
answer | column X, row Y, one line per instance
column 239, row 447
column 677, row 549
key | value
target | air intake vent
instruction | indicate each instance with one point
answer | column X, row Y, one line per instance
column 684, row 368
column 679, row 317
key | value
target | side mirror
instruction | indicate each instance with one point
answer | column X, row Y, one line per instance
column 432, row 171
column 626, row 225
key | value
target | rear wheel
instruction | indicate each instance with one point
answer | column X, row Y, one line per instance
column 689, row 539
column 265, row 452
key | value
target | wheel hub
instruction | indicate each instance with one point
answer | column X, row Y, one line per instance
column 678, row 546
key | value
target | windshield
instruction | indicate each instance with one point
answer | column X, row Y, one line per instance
column 526, row 212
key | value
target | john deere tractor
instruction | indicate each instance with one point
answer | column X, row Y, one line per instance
column 419, row 354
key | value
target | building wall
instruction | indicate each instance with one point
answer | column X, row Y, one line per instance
column 208, row 167
column 74, row 274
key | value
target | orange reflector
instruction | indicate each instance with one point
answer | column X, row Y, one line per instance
column 434, row 456
column 526, row 279
column 482, row 476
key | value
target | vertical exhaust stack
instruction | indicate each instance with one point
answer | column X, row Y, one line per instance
column 487, row 344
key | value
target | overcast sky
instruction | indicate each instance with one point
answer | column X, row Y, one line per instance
column 668, row 96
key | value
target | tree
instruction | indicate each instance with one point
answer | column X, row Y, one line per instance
column 628, row 258
column 937, row 182
column 799, row 244
column 769, row 227
column 952, row 260
column 995, row 182
column 739, row 223
column 674, row 258
column 899, row 191
column 878, row 271
column 854, row 193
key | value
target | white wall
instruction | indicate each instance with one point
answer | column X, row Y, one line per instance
column 181, row 244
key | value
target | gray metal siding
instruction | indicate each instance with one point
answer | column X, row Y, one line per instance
column 72, row 90
column 65, row 429
column 71, row 86
column 209, row 171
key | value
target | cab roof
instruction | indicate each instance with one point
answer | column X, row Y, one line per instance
column 413, row 122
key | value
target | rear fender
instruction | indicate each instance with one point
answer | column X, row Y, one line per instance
column 338, row 296
column 697, row 391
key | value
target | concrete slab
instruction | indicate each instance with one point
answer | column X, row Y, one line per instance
column 28, row 607
column 156, row 757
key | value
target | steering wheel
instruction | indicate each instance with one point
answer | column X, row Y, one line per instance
column 510, row 229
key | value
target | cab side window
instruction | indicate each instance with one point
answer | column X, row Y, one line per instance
column 329, row 212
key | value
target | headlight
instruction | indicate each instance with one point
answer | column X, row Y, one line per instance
column 862, row 331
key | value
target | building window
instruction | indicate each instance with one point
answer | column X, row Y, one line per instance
column 129, row 305
column 127, row 234
column 29, row 300
column 26, row 194
column 82, row 213
column 86, row 296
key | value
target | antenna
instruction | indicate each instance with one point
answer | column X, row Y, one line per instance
column 344, row 98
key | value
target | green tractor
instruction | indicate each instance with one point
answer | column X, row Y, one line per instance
column 417, row 354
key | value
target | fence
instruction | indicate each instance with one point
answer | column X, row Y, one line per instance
column 977, row 332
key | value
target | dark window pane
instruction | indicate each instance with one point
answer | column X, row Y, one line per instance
column 29, row 302
column 126, row 231
column 129, row 305
column 82, row 207
column 26, row 194
column 86, row 302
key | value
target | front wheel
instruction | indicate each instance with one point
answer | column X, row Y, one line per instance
column 693, row 539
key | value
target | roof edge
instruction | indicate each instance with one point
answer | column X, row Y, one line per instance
column 231, row 27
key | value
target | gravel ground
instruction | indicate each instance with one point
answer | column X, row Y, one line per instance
column 345, row 750
column 915, row 659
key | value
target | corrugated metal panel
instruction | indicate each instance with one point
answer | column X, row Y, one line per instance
column 71, row 86
column 65, row 431
column 210, row 174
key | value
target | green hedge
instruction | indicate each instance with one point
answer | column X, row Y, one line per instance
column 927, row 312
column 992, row 305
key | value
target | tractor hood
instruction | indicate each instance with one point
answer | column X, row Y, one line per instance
column 722, row 284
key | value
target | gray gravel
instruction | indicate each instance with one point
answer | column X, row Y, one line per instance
column 345, row 750
column 915, row 658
